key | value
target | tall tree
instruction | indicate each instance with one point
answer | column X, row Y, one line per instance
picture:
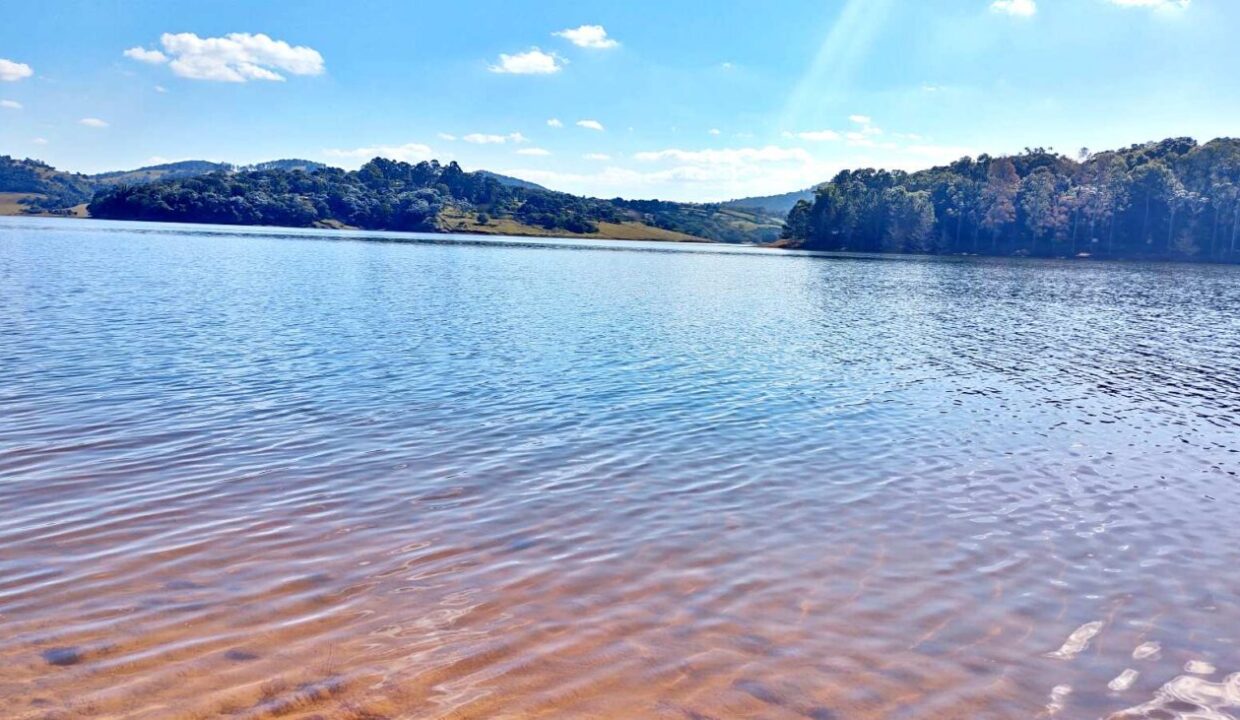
column 999, row 197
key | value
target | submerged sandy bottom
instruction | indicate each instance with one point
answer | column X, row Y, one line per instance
column 254, row 477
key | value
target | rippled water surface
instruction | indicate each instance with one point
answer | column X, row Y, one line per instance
column 264, row 473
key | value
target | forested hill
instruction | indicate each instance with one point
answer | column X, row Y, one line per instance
column 778, row 204
column 1172, row 199
column 39, row 187
column 429, row 197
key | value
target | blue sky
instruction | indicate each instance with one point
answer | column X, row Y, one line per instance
column 670, row 99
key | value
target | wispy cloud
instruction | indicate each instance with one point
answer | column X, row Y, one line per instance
column 726, row 156
column 1016, row 8
column 714, row 131
column 555, row 123
column 814, row 135
column 693, row 174
column 588, row 36
column 11, row 104
column 11, row 71
column 39, row 141
column 485, row 139
column 154, row 57
column 161, row 89
column 530, row 62
column 92, row 122
column 534, row 151
column 596, row 156
column 446, row 136
column 409, row 152
column 716, row 174
column 867, row 128
column 590, row 124
column 1155, row 4
column 235, row 58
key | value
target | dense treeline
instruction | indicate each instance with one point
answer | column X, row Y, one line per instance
column 382, row 194
column 392, row 195
column 1172, row 199
column 57, row 191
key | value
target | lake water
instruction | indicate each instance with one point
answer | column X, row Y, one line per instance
column 257, row 473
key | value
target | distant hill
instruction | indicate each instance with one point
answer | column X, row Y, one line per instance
column 34, row 186
column 382, row 194
column 38, row 186
column 510, row 181
column 290, row 164
column 166, row 171
column 773, row 204
column 426, row 197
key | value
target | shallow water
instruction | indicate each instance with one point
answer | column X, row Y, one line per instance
column 260, row 473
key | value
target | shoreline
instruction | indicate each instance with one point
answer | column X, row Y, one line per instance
column 500, row 230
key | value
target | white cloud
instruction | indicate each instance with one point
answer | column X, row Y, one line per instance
column 1016, row 8
column 535, row 151
column 1155, row 4
column 816, row 135
column 484, row 139
column 39, row 141
column 530, row 62
column 11, row 71
column 236, row 57
column 868, row 127
column 713, row 131
column 695, row 181
column 154, row 57
column 590, row 124
column 588, row 36
column 555, row 123
column 161, row 89
column 726, row 65
column 409, row 152
column 596, row 156
column 92, row 122
column 447, row 136
column 11, row 104
column 711, row 175
column 726, row 156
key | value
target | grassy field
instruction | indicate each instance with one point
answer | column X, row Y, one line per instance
column 452, row 220
column 10, row 202
column 748, row 220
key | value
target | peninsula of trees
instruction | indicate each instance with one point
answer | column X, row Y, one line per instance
column 426, row 197
column 1172, row 199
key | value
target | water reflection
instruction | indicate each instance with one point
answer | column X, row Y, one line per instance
column 250, row 474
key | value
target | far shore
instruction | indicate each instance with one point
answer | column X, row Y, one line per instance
column 607, row 231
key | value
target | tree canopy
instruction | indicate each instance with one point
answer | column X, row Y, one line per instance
column 392, row 195
column 1172, row 199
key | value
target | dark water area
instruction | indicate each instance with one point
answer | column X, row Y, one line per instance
column 271, row 473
